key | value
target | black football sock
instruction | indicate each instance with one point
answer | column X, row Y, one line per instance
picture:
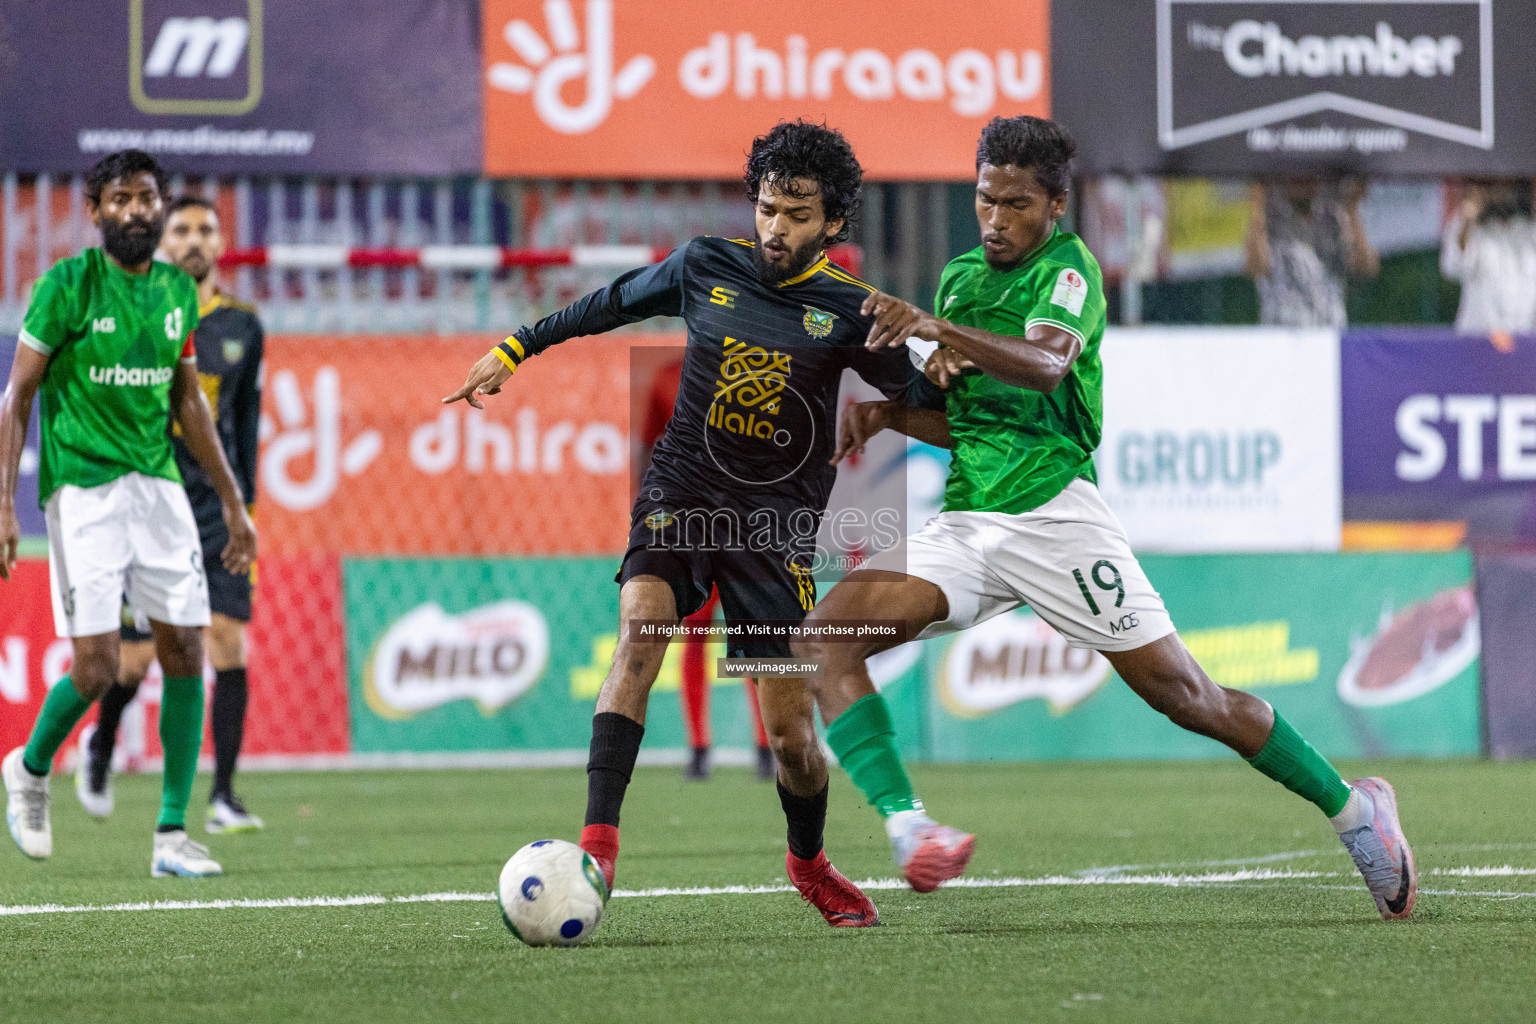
column 807, row 817
column 229, row 700
column 109, row 715
column 615, row 746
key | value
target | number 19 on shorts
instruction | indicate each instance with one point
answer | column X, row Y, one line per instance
column 1106, row 578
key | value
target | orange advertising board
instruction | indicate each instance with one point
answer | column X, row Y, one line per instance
column 358, row 456
column 635, row 89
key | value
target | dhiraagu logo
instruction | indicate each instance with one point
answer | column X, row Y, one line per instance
column 557, row 56
column 492, row 655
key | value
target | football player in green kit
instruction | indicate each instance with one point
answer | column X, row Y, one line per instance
column 230, row 344
column 1018, row 326
column 107, row 345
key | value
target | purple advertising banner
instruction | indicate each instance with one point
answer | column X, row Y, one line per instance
column 1506, row 600
column 26, row 488
column 1440, row 427
column 243, row 86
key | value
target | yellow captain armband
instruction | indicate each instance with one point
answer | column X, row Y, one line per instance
column 510, row 352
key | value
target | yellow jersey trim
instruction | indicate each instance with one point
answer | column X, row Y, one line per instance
column 847, row 278
column 805, row 276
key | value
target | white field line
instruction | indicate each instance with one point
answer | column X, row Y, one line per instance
column 1211, row 878
column 983, row 882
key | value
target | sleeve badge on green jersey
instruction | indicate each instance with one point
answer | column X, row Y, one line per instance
column 817, row 322
column 1070, row 292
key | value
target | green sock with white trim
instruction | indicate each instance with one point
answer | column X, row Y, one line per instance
column 1292, row 762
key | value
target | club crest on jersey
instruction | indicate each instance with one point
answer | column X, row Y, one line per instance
column 659, row 520
column 1070, row 292
column 817, row 322
column 234, row 348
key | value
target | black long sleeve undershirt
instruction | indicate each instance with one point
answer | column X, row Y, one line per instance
column 637, row 295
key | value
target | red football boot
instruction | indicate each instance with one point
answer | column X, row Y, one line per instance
column 842, row 903
column 602, row 842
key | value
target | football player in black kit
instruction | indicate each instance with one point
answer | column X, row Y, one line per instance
column 229, row 351
column 739, row 482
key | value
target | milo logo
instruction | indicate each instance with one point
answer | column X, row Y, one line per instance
column 131, row 377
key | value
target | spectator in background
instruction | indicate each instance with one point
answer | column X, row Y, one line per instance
column 1304, row 239
column 1490, row 247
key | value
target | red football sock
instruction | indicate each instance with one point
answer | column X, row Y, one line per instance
column 758, row 732
column 694, row 691
column 602, row 842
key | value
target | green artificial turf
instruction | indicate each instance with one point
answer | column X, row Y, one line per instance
column 1243, row 949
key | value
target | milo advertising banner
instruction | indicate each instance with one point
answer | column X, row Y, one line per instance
column 1366, row 654
column 475, row 655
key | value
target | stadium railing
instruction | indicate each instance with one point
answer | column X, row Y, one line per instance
column 903, row 239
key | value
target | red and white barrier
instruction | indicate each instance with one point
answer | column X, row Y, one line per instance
column 467, row 257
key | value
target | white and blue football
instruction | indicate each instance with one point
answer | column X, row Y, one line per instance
column 552, row 894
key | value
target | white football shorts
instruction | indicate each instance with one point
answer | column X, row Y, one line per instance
column 134, row 536
column 1069, row 560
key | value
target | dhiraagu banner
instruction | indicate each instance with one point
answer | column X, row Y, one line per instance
column 1366, row 654
column 458, row 655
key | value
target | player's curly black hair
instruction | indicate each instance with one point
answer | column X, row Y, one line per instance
column 123, row 163
column 1026, row 141
column 800, row 149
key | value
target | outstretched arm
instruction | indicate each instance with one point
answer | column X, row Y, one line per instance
column 190, row 407
column 15, row 410
column 1039, row 361
column 656, row 290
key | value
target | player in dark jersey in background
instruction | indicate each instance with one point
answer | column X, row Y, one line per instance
column 771, row 325
column 693, row 684
column 229, row 353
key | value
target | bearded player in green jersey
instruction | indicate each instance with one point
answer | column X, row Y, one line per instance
column 1023, row 522
column 107, row 342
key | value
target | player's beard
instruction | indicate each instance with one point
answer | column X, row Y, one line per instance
column 131, row 243
column 197, row 265
column 798, row 262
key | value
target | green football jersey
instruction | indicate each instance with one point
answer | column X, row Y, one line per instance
column 1017, row 449
column 113, row 340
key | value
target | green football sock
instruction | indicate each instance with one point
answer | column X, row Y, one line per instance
column 1291, row 761
column 62, row 708
column 181, row 735
column 864, row 740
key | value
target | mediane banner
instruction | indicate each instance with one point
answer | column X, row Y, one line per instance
column 1366, row 654
column 1441, row 427
column 242, row 86
column 1270, row 86
column 1222, row 440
